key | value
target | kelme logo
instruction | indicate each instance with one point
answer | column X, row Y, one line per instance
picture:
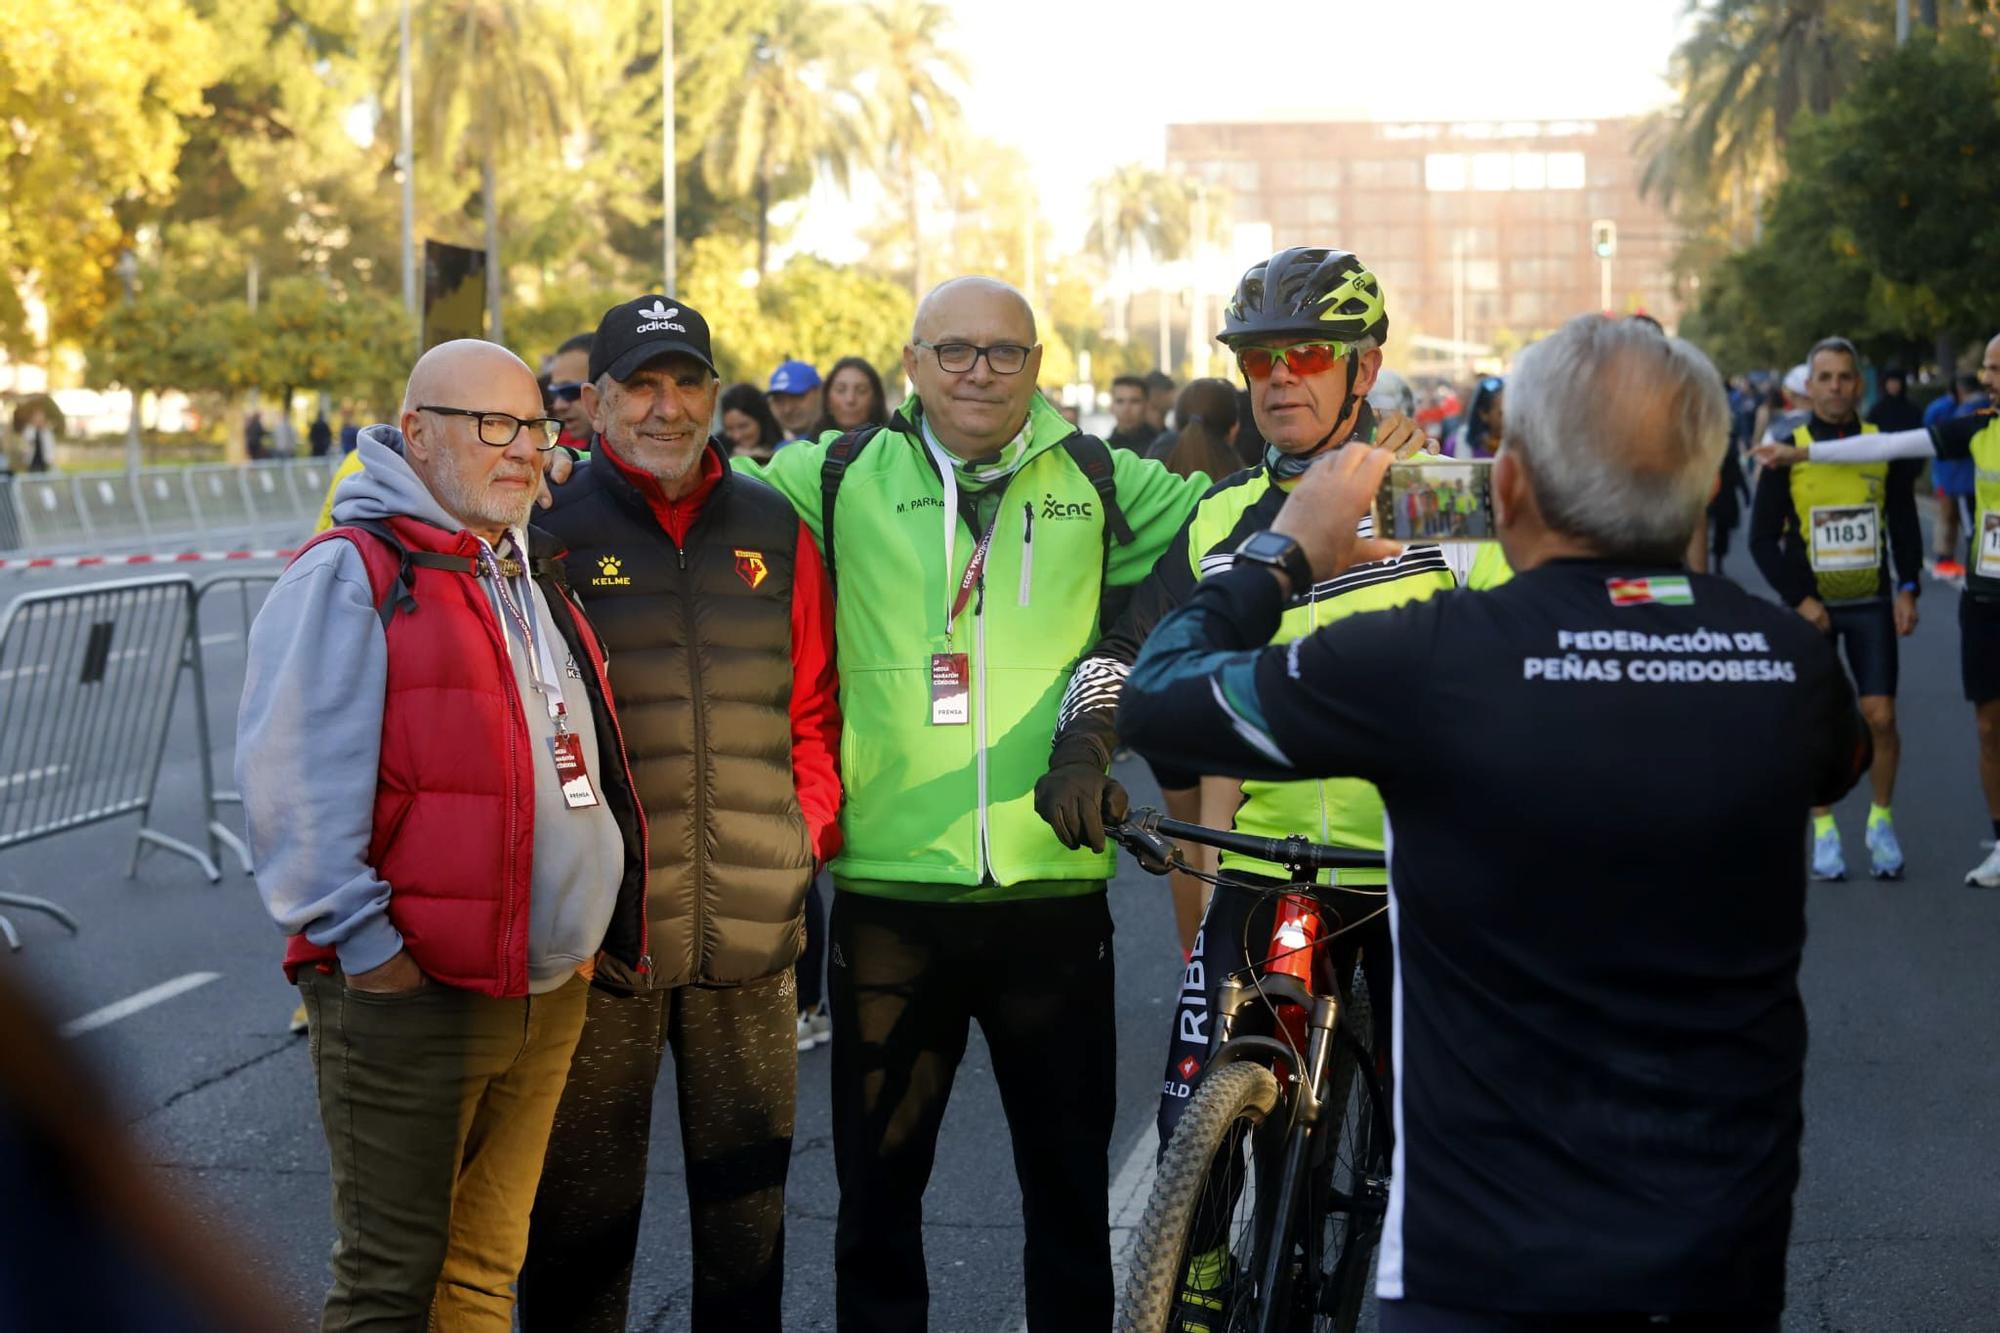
column 610, row 573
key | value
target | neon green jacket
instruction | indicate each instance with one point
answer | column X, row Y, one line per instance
column 952, row 806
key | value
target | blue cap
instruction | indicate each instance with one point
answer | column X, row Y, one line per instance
column 794, row 377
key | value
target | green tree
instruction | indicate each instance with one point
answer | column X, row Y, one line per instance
column 1906, row 171
column 902, row 54
column 789, row 116
column 1748, row 70
column 494, row 79
column 94, row 97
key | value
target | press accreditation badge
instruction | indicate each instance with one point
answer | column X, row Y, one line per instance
column 1845, row 537
column 575, row 779
column 1989, row 546
column 951, row 679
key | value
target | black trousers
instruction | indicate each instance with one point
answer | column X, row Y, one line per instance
column 811, row 967
column 736, row 1071
column 906, row 981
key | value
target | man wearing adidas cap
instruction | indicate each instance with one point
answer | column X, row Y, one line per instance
column 715, row 609
column 1599, row 1039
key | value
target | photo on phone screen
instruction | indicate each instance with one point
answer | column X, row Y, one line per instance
column 1443, row 500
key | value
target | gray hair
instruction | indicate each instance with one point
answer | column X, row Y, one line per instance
column 1841, row 345
column 1622, row 432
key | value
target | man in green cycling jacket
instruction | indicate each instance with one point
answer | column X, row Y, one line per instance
column 1306, row 326
column 970, row 549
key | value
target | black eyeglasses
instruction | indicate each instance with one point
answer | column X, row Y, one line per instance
column 957, row 358
column 499, row 428
column 568, row 392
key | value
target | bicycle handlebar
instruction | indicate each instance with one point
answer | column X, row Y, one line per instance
column 1145, row 833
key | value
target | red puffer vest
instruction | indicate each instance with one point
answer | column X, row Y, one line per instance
column 454, row 797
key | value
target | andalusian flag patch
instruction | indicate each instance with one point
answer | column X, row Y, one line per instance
column 1670, row 591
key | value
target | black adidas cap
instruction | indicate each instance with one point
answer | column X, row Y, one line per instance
column 640, row 331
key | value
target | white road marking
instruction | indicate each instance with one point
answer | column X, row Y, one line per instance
column 1130, row 1189
column 33, row 775
column 132, row 1004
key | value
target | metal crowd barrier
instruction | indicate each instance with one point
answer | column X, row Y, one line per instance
column 53, row 513
column 209, row 637
column 88, row 681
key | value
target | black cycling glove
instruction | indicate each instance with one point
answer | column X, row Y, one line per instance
column 1076, row 796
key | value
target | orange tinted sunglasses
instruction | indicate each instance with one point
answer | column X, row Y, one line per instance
column 1300, row 358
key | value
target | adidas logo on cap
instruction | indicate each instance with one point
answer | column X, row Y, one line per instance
column 659, row 317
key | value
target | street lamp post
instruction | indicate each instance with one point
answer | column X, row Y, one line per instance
column 128, row 274
column 667, row 219
column 406, row 162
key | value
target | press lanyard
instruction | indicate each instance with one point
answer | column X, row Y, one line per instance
column 977, row 564
column 541, row 659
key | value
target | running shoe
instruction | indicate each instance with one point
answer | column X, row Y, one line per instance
column 1950, row 569
column 1885, row 854
column 1986, row 875
column 815, row 1027
column 299, row 1019
column 1828, row 863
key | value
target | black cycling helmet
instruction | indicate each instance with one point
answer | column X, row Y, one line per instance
column 1307, row 291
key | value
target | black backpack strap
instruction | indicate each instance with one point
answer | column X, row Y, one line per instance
column 401, row 595
column 1092, row 457
column 839, row 456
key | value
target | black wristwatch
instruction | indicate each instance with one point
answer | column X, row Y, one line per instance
column 1279, row 552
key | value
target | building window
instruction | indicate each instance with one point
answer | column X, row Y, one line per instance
column 1566, row 171
column 1492, row 171
column 1530, row 171
column 1482, row 275
column 1524, row 308
column 1323, row 210
column 1444, row 171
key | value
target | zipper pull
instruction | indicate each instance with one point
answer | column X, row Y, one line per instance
column 1027, row 550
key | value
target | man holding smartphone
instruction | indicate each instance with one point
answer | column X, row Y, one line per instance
column 1306, row 327
column 1599, row 1057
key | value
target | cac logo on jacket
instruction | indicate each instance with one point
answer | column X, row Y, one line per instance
column 610, row 573
column 750, row 567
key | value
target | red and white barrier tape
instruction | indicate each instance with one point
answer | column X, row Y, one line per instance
column 123, row 561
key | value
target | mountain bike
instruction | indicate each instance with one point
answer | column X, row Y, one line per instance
column 1282, row 1152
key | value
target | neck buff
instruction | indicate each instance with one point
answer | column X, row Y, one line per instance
column 1290, row 467
column 979, row 473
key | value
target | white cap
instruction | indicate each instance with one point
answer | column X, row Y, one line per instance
column 1795, row 380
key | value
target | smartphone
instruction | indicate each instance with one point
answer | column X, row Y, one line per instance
column 1439, row 500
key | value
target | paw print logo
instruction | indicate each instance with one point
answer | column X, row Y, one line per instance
column 609, row 566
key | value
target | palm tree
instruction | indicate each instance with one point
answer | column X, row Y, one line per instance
column 786, row 116
column 1745, row 74
column 1136, row 206
column 901, row 53
column 492, row 79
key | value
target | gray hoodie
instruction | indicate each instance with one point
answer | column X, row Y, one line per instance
column 309, row 741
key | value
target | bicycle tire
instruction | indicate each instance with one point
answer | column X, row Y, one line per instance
column 1359, row 1143
column 1238, row 1094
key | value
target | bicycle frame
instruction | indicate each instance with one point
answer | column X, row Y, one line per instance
column 1306, row 1001
column 1308, row 1017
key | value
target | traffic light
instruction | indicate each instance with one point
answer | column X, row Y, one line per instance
column 1604, row 238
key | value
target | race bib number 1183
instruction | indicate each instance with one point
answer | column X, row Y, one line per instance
column 1845, row 537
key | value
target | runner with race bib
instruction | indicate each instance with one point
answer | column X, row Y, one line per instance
column 1823, row 534
column 1975, row 440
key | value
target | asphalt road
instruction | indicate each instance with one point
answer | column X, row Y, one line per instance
column 1898, row 1218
